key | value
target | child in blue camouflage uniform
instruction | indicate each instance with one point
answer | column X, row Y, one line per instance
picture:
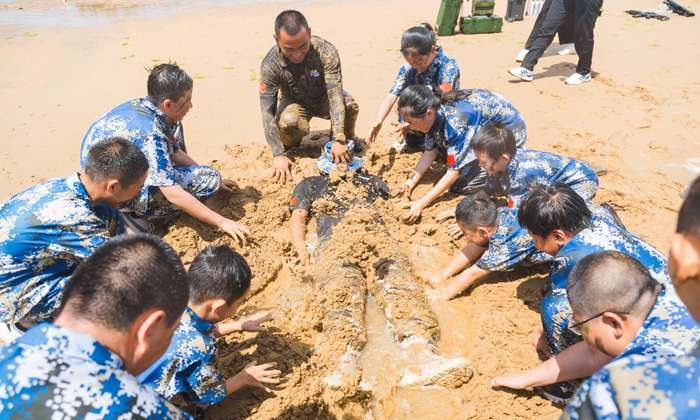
column 562, row 226
column 496, row 243
column 665, row 387
column 513, row 172
column 47, row 230
column 219, row 280
column 175, row 182
column 450, row 120
column 120, row 309
column 622, row 314
column 425, row 65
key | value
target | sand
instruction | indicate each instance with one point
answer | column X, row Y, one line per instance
column 636, row 117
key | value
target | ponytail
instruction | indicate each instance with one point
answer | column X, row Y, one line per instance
column 416, row 100
column 418, row 40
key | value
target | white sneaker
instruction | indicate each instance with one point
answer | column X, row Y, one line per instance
column 398, row 145
column 569, row 49
column 522, row 73
column 443, row 373
column 577, row 79
column 521, row 55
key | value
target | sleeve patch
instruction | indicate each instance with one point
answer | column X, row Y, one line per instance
column 450, row 160
column 293, row 202
column 445, row 87
column 262, row 87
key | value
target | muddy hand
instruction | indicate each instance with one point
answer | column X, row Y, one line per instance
column 374, row 132
column 252, row 324
column 281, row 169
column 512, row 380
column 340, row 153
column 434, row 295
column 401, row 130
column 454, row 231
column 414, row 213
column 540, row 342
column 236, row 230
column 259, row 375
column 228, row 185
column 444, row 215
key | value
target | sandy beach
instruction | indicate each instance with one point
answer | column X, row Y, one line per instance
column 635, row 117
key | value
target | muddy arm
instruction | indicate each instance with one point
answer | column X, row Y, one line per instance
column 297, row 229
column 578, row 361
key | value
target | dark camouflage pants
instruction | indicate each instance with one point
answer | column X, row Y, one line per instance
column 293, row 118
column 343, row 289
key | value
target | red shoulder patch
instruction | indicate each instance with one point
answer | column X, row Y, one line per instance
column 293, row 202
column 450, row 160
column 445, row 87
column 262, row 87
column 510, row 203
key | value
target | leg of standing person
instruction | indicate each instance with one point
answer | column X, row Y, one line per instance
column 555, row 18
column 535, row 30
column 566, row 35
column 585, row 14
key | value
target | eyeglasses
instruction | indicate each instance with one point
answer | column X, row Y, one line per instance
column 576, row 328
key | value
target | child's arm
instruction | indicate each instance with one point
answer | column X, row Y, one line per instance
column 459, row 284
column 297, row 228
column 416, row 207
column 253, row 375
column 421, row 167
column 468, row 254
column 384, row 110
column 578, row 361
column 251, row 324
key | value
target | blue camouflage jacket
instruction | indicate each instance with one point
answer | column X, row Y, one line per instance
column 189, row 364
column 643, row 382
column 45, row 232
column 531, row 167
column 444, row 72
column 56, row 373
column 456, row 124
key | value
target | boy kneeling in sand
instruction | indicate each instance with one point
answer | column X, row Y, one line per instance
column 623, row 315
column 357, row 253
column 219, row 281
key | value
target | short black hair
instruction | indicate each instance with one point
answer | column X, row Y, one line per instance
column 689, row 214
column 125, row 277
column 416, row 100
column 291, row 21
column 551, row 207
column 611, row 281
column 419, row 40
column 168, row 81
column 218, row 272
column 116, row 157
column 495, row 140
column 476, row 210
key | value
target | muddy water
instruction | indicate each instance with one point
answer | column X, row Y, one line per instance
column 382, row 357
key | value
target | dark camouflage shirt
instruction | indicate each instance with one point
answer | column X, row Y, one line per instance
column 311, row 82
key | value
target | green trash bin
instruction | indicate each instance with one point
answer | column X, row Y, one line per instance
column 447, row 17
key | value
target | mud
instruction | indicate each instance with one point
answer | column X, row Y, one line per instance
column 491, row 324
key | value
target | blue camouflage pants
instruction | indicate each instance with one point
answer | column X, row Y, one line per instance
column 200, row 181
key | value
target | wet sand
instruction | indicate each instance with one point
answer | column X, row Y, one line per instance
column 636, row 117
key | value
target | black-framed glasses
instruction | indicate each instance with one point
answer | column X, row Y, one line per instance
column 576, row 328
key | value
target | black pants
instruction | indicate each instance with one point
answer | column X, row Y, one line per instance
column 585, row 14
column 566, row 30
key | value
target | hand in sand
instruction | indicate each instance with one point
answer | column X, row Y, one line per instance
column 405, row 189
column 374, row 131
column 401, row 129
column 237, row 230
column 252, row 324
column 444, row 215
column 255, row 375
column 454, row 231
column 435, row 295
column 340, row 153
column 516, row 380
column 540, row 342
column 228, row 185
column 416, row 208
column 281, row 169
column 304, row 257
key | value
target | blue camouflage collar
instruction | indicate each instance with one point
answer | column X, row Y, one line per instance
column 146, row 103
column 74, row 184
column 70, row 343
column 190, row 318
column 436, row 63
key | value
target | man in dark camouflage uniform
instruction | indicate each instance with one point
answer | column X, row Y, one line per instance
column 300, row 78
